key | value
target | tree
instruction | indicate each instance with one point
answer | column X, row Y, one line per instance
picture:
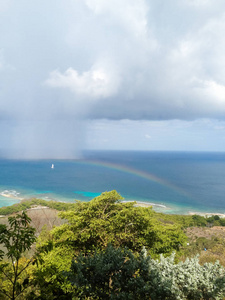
column 111, row 274
column 16, row 238
column 106, row 220
column 49, row 280
column 199, row 220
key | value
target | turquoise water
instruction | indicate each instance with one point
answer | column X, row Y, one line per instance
column 176, row 182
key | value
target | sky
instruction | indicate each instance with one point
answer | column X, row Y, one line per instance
column 114, row 75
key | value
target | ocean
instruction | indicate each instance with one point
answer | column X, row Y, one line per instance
column 173, row 182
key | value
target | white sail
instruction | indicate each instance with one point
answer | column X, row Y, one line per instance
column 52, row 166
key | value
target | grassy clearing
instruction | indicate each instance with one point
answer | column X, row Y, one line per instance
column 209, row 243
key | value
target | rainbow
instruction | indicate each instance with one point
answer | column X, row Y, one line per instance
column 135, row 172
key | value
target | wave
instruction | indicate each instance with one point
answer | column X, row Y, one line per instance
column 142, row 203
column 11, row 194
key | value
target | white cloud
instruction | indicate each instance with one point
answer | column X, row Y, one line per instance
column 212, row 91
column 98, row 82
column 130, row 14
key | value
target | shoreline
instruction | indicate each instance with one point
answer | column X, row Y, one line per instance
column 204, row 214
column 191, row 213
column 146, row 204
column 13, row 195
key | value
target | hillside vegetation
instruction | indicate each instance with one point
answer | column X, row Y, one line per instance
column 108, row 249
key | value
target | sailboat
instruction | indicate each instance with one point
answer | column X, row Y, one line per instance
column 52, row 167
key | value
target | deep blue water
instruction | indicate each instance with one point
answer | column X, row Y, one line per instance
column 184, row 181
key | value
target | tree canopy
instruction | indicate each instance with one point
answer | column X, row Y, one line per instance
column 105, row 249
column 107, row 220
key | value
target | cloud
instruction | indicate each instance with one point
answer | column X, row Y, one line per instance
column 212, row 90
column 164, row 61
column 98, row 82
column 129, row 15
column 129, row 60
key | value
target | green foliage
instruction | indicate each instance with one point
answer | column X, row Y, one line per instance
column 16, row 239
column 75, row 261
column 189, row 221
column 199, row 220
column 215, row 221
column 106, row 220
column 48, row 279
column 183, row 220
column 26, row 204
column 111, row 274
column 222, row 221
